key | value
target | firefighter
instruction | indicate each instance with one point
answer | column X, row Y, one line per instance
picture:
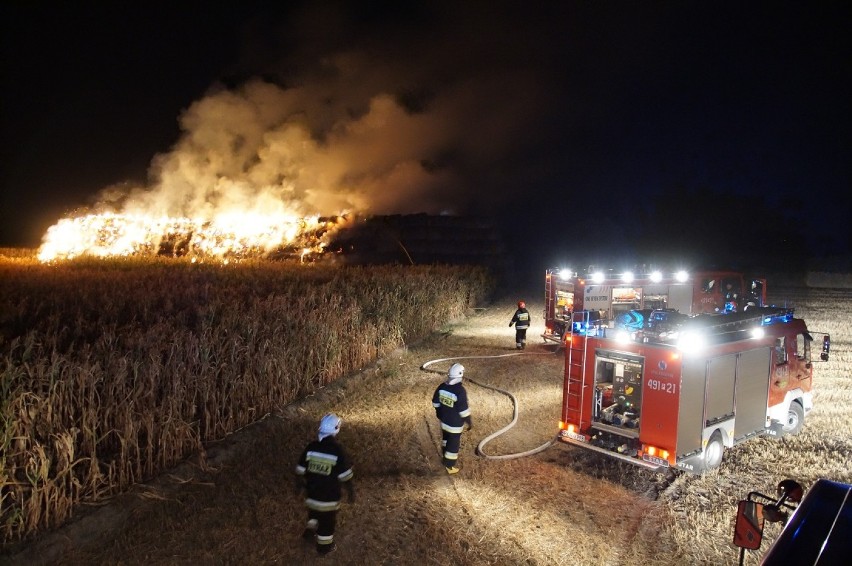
column 450, row 402
column 521, row 320
column 731, row 297
column 322, row 469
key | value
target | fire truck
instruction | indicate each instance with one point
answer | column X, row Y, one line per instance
column 679, row 398
column 634, row 294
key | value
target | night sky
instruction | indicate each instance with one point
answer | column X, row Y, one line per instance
column 585, row 129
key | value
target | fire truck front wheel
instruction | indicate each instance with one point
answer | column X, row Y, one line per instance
column 713, row 452
column 795, row 419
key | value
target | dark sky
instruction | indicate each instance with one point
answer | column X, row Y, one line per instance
column 610, row 126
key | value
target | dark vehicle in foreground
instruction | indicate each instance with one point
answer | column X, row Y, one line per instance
column 818, row 533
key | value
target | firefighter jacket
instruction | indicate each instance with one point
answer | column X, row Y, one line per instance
column 450, row 402
column 325, row 467
column 521, row 319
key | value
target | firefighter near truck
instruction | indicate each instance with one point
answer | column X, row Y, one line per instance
column 632, row 295
column 678, row 398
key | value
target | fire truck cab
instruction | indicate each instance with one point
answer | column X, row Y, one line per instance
column 679, row 398
column 632, row 293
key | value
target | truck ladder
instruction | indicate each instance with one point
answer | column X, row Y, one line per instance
column 576, row 347
column 548, row 294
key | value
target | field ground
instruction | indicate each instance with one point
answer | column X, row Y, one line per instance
column 235, row 503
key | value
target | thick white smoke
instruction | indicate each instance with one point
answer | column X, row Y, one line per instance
column 370, row 129
column 255, row 149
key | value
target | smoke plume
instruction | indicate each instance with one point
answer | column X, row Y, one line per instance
column 362, row 130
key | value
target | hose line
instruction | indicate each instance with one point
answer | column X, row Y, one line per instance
column 479, row 448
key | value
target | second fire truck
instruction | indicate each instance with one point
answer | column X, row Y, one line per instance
column 678, row 398
column 634, row 294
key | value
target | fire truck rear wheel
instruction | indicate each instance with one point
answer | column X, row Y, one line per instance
column 713, row 452
column 795, row 419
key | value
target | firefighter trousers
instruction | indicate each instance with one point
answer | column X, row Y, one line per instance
column 520, row 337
column 325, row 522
column 450, row 442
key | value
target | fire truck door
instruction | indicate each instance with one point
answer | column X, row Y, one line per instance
column 752, row 392
column 803, row 356
column 721, row 375
column 680, row 298
column 691, row 405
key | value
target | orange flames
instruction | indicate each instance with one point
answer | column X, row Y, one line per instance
column 224, row 238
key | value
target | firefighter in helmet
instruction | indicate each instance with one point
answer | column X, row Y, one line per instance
column 731, row 296
column 521, row 320
column 322, row 469
column 450, row 402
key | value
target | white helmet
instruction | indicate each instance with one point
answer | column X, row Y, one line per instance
column 456, row 371
column 329, row 425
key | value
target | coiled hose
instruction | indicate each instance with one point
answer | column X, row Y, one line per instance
column 492, row 436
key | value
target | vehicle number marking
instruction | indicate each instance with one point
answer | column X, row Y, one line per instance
column 663, row 386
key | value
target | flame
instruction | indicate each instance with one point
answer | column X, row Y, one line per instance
column 226, row 237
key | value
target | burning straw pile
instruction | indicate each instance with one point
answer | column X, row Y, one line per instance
column 111, row 371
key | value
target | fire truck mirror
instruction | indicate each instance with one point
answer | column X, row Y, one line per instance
column 748, row 528
column 790, row 490
column 826, row 346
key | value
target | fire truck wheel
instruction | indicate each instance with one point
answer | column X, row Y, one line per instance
column 713, row 452
column 795, row 419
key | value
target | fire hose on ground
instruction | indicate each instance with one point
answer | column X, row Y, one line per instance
column 479, row 447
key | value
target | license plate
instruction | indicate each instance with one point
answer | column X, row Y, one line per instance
column 575, row 436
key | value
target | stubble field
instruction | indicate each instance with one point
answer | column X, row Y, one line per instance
column 234, row 503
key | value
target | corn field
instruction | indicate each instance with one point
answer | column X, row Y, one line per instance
column 114, row 370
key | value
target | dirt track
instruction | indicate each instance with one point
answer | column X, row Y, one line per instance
column 235, row 504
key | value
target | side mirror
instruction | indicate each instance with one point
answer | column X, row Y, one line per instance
column 789, row 490
column 748, row 528
column 826, row 346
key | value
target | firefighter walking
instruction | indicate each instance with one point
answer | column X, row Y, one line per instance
column 322, row 469
column 451, row 408
column 521, row 320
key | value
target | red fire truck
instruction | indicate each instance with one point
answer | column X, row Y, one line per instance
column 639, row 292
column 679, row 398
